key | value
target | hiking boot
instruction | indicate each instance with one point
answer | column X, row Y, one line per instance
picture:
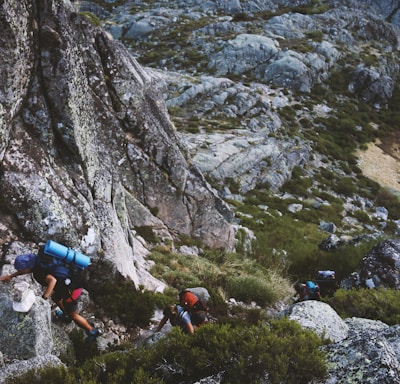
column 93, row 334
column 62, row 316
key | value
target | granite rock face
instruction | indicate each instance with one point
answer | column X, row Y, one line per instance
column 88, row 154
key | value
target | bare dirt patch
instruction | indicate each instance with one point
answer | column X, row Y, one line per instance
column 381, row 162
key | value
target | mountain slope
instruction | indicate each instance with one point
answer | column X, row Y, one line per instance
column 275, row 101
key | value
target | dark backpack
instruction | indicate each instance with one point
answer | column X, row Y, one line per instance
column 327, row 283
column 57, row 267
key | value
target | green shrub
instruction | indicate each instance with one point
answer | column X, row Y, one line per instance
column 182, row 271
column 83, row 350
column 241, row 354
column 93, row 19
column 391, row 201
column 49, row 375
column 120, row 299
column 297, row 184
column 345, row 186
column 146, row 231
column 315, row 35
column 251, row 288
column 376, row 304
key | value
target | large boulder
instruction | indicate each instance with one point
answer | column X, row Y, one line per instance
column 24, row 335
column 320, row 318
column 369, row 354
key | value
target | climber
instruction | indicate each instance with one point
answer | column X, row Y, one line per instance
column 177, row 316
column 63, row 287
column 307, row 291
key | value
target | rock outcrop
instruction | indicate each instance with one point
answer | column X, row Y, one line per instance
column 88, row 153
column 361, row 350
column 379, row 268
column 26, row 337
column 320, row 318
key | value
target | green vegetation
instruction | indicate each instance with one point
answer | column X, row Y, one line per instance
column 288, row 242
column 146, row 231
column 390, row 200
column 167, row 43
column 121, row 300
column 312, row 8
column 251, row 288
column 376, row 304
column 224, row 274
column 281, row 348
column 93, row 19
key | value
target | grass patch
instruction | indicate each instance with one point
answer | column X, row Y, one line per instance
column 376, row 304
column 225, row 274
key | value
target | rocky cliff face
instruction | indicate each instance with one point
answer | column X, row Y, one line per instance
column 88, row 153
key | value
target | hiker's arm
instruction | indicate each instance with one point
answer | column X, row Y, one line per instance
column 162, row 323
column 51, row 282
column 190, row 328
column 18, row 273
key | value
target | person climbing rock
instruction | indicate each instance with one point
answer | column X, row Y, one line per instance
column 62, row 285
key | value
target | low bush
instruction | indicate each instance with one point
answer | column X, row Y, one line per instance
column 281, row 350
column 251, row 288
column 376, row 304
column 121, row 300
column 345, row 186
column 298, row 184
column 390, row 201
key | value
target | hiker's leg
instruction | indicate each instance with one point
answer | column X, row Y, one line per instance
column 70, row 308
column 80, row 321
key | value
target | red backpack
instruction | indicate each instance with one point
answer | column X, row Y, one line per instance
column 191, row 302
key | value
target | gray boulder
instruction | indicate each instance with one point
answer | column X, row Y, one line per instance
column 368, row 355
column 18, row 368
column 26, row 337
column 244, row 53
column 360, row 350
column 375, row 88
column 320, row 318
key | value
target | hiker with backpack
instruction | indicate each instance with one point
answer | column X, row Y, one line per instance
column 191, row 312
column 307, row 291
column 62, row 285
column 195, row 301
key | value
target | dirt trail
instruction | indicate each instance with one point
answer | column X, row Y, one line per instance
column 381, row 163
